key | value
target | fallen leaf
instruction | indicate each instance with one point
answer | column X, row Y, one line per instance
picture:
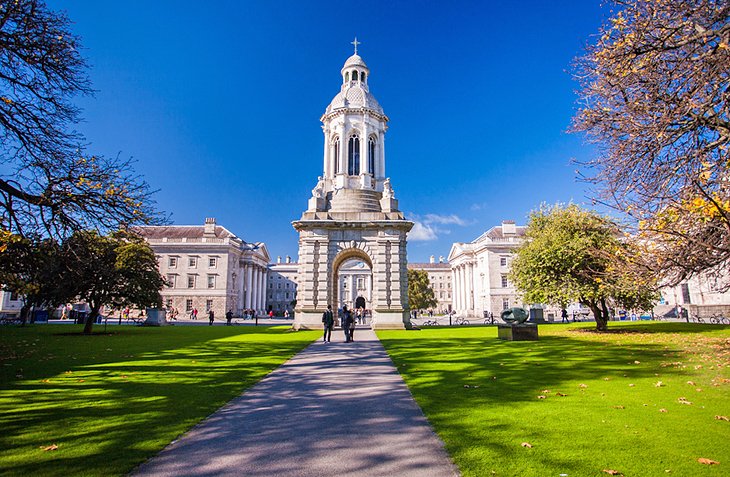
column 632, row 385
column 618, row 407
column 662, row 410
column 81, row 380
column 722, row 418
column 467, row 386
column 659, row 384
column 705, row 461
column 635, row 362
column 691, row 383
column 545, row 391
column 612, row 472
column 52, row 447
column 542, row 396
column 526, row 444
column 699, row 390
column 45, row 381
column 583, row 386
column 561, row 394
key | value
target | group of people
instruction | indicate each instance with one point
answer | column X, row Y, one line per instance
column 347, row 319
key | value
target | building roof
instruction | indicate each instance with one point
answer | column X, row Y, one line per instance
column 182, row 231
column 422, row 265
column 355, row 60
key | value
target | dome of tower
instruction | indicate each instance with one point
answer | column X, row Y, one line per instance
column 355, row 60
column 354, row 96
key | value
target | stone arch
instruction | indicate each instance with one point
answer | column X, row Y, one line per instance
column 345, row 254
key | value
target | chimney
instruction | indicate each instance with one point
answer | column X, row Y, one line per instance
column 509, row 227
column 278, row 259
column 432, row 259
column 288, row 259
column 441, row 259
column 209, row 228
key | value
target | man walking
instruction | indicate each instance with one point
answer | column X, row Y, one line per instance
column 564, row 316
column 229, row 317
column 329, row 321
column 211, row 316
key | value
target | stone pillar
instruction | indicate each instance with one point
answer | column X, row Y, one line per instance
column 326, row 166
column 263, row 287
column 249, row 283
column 462, row 278
column 471, row 288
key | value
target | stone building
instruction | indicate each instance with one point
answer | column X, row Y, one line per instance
column 479, row 271
column 281, row 289
column 10, row 303
column 353, row 213
column 208, row 267
column 440, row 279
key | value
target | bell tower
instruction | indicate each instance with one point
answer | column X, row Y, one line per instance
column 353, row 212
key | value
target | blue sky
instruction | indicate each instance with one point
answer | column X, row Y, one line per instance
column 219, row 102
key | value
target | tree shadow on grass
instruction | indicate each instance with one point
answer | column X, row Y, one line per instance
column 114, row 407
column 481, row 393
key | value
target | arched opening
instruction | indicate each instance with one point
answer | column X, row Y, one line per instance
column 352, row 277
column 353, row 155
column 362, row 77
column 347, row 77
column 354, row 76
column 371, row 155
column 336, row 153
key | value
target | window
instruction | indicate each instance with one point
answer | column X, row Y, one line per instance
column 354, row 76
column 685, row 294
column 189, row 305
column 211, row 281
column 353, row 155
column 287, row 295
column 191, row 281
column 502, row 261
column 287, row 284
column 212, row 262
column 371, row 155
column 362, row 76
column 347, row 77
column 505, row 284
column 171, row 280
column 172, row 262
column 278, row 286
column 336, row 153
column 208, row 305
column 505, row 303
column 168, row 303
column 192, row 262
column 344, row 285
column 271, row 285
column 360, row 283
column 271, row 296
column 13, row 296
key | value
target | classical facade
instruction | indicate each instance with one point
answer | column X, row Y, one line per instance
column 353, row 213
column 10, row 303
column 208, row 267
column 281, row 289
column 440, row 279
column 479, row 271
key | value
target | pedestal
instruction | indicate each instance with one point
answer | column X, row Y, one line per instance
column 523, row 332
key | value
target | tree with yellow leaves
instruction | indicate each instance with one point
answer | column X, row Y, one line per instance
column 654, row 96
column 49, row 184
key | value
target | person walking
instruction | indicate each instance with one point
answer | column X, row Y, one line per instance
column 195, row 313
column 353, row 323
column 328, row 319
column 229, row 317
column 564, row 316
column 346, row 322
column 211, row 316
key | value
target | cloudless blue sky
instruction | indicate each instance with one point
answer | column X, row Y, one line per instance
column 219, row 102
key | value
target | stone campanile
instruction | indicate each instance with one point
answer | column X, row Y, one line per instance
column 353, row 213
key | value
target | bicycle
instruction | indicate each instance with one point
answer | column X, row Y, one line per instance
column 719, row 319
column 698, row 319
column 462, row 321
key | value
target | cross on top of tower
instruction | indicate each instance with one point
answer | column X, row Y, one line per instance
column 356, row 43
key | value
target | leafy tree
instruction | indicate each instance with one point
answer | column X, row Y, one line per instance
column 420, row 293
column 114, row 270
column 30, row 268
column 654, row 98
column 49, row 184
column 576, row 255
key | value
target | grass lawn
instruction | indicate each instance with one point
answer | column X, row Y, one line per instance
column 641, row 400
column 110, row 401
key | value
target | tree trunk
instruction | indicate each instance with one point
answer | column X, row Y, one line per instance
column 91, row 319
column 598, row 314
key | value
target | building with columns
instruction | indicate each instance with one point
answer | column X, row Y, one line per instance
column 353, row 213
column 208, row 267
column 281, row 289
column 479, row 271
column 440, row 278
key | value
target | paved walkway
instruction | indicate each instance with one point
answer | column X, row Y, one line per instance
column 335, row 409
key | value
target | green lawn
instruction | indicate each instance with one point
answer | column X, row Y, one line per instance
column 110, row 401
column 640, row 400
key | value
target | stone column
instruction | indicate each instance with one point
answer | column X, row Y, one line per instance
column 471, row 287
column 263, row 287
column 464, row 285
column 364, row 148
column 453, row 289
column 327, row 154
column 380, row 161
column 249, row 283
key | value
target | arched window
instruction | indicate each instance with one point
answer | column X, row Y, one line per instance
column 371, row 155
column 362, row 77
column 336, row 153
column 347, row 77
column 353, row 155
column 354, row 76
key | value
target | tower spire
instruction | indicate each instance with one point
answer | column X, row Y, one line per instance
column 356, row 43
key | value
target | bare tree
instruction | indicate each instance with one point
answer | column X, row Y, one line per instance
column 49, row 184
column 654, row 99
